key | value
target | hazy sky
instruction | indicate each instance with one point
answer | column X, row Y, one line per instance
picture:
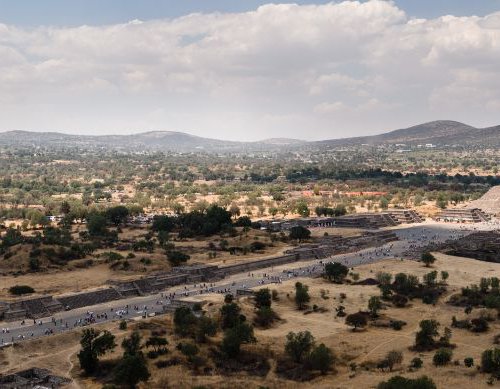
column 244, row 69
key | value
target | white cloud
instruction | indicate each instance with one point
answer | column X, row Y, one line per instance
column 349, row 66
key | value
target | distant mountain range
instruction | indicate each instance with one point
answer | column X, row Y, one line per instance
column 441, row 132
column 438, row 133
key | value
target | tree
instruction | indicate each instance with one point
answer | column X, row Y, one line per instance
column 96, row 225
column 184, row 321
column 230, row 315
column 393, row 358
column 321, row 358
column 384, row 278
column 490, row 362
column 163, row 237
column 384, row 203
column 430, row 278
column 94, row 344
column 264, row 317
column 424, row 339
column 484, row 284
column 131, row 370
column 442, row 357
column 336, row 271
column 263, row 298
column 428, row 259
column 205, row 327
column 132, row 345
column 301, row 295
column 444, row 275
column 441, row 201
column 399, row 382
column 117, row 215
column 299, row 233
column 302, row 209
column 243, row 221
column 65, row 208
column 374, row 305
column 163, row 223
column 356, row 320
column 234, row 337
column 298, row 345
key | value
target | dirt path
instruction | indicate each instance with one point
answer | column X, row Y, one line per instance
column 74, row 384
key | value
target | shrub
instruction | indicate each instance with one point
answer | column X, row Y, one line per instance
column 490, row 362
column 397, row 324
column 399, row 300
column 479, row 325
column 162, row 364
column 34, row 264
column 123, row 325
column 335, row 271
column 416, row 363
column 321, row 358
column 257, row 246
column 298, row 345
column 399, row 382
column 469, row 362
column 301, row 295
column 374, row 305
column 442, row 357
column 177, row 257
column 262, row 298
column 393, row 358
column 264, row 317
column 152, row 354
column 424, row 338
column 428, row 259
column 21, row 289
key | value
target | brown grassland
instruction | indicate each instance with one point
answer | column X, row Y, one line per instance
column 363, row 347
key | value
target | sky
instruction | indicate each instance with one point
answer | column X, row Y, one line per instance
column 247, row 69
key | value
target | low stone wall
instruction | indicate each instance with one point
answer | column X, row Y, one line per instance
column 256, row 265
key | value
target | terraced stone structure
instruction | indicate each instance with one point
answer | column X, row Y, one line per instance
column 406, row 216
column 484, row 246
column 466, row 215
column 334, row 245
column 370, row 220
column 33, row 378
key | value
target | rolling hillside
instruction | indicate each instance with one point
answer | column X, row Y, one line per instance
column 438, row 132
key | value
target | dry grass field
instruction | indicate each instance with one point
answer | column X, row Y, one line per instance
column 363, row 347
